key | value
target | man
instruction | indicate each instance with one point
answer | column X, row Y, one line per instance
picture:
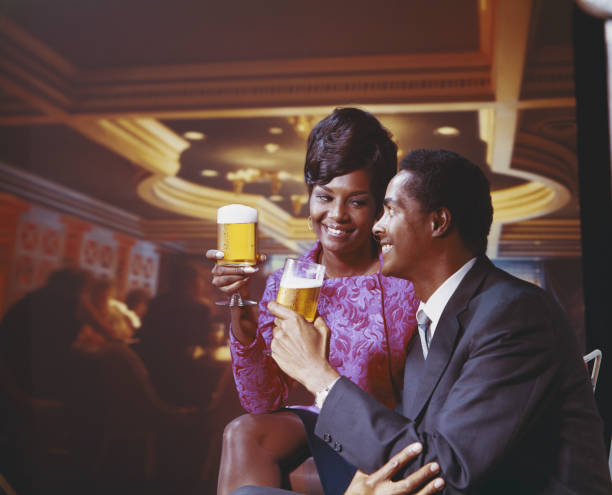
column 495, row 389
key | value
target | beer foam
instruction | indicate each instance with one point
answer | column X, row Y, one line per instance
column 293, row 282
column 236, row 214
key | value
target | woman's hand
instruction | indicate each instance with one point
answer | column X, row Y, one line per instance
column 379, row 483
column 235, row 279
column 232, row 279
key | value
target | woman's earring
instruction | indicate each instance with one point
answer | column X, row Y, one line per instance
column 310, row 224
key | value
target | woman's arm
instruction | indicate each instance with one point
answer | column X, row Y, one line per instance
column 261, row 385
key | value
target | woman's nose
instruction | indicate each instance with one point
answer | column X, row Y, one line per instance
column 337, row 210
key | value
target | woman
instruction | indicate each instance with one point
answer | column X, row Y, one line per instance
column 350, row 159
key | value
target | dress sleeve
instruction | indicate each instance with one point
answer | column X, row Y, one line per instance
column 262, row 387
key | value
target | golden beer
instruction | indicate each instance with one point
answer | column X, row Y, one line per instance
column 300, row 286
column 237, row 235
column 302, row 300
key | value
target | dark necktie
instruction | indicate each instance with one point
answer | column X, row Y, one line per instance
column 423, row 322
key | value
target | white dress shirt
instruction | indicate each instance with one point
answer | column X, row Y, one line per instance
column 436, row 303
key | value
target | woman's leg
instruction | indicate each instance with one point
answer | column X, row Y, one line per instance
column 255, row 446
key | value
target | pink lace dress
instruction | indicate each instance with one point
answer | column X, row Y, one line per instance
column 371, row 318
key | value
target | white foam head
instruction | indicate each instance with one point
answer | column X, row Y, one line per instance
column 236, row 214
column 289, row 281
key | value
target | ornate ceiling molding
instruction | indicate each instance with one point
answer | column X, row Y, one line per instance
column 186, row 198
column 146, row 142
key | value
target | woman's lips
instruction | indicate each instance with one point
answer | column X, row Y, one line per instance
column 336, row 232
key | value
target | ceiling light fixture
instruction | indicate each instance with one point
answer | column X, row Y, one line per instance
column 447, row 131
column 271, row 147
column 194, row 135
column 275, row 130
column 209, row 173
column 276, row 198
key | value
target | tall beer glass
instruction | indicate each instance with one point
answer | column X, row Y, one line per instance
column 300, row 286
column 237, row 238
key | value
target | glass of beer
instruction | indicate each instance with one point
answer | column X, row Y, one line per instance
column 237, row 238
column 300, row 286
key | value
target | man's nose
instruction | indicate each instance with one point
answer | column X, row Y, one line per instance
column 378, row 227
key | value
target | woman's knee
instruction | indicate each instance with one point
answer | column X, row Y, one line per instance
column 277, row 431
column 245, row 428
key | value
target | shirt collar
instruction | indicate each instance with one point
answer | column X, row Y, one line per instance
column 437, row 301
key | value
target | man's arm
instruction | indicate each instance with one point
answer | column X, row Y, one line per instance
column 504, row 384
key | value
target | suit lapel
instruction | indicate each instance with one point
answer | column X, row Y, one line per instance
column 445, row 340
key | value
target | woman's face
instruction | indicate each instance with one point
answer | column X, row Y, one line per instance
column 343, row 212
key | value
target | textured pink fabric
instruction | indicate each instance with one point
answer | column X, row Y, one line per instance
column 370, row 330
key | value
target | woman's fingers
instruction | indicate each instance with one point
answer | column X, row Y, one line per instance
column 394, row 464
column 219, row 270
column 411, row 484
column 214, row 254
column 228, row 278
column 432, row 487
column 230, row 288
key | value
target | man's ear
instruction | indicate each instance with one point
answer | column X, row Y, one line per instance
column 440, row 222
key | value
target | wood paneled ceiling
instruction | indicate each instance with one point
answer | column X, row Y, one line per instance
column 97, row 100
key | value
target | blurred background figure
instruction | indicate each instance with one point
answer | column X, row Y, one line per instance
column 38, row 332
column 112, row 314
column 174, row 335
column 136, row 304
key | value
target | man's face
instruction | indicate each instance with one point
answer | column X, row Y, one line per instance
column 404, row 230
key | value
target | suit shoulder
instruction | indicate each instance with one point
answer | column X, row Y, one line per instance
column 507, row 288
column 510, row 302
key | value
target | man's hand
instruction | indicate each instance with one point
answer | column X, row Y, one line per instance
column 379, row 483
column 300, row 348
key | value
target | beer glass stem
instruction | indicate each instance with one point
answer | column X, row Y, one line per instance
column 236, row 301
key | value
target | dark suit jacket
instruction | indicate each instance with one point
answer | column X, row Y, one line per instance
column 503, row 402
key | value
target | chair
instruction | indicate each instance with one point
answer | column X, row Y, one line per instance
column 595, row 357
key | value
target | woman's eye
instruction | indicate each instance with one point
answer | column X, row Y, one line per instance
column 359, row 202
column 323, row 197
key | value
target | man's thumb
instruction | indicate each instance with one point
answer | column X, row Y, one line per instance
column 322, row 327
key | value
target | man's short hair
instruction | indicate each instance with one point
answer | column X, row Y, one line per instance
column 442, row 178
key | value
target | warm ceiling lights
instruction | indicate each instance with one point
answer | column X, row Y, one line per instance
column 275, row 130
column 194, row 135
column 447, row 131
column 276, row 198
column 209, row 173
column 271, row 147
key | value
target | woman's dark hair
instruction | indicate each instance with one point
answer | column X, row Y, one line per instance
column 347, row 140
column 442, row 178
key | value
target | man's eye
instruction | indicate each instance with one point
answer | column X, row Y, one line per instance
column 323, row 197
